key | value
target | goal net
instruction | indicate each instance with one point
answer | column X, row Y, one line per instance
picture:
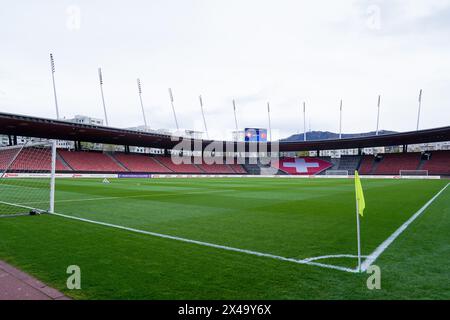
column 407, row 173
column 336, row 172
column 27, row 179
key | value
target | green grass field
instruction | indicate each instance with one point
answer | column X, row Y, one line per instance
column 293, row 218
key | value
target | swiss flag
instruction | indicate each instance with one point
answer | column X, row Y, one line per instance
column 303, row 165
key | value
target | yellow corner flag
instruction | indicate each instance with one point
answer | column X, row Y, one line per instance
column 359, row 194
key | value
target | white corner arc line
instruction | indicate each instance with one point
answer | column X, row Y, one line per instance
column 207, row 244
column 386, row 243
column 331, row 256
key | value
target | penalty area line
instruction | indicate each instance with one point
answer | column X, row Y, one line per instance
column 207, row 244
column 383, row 246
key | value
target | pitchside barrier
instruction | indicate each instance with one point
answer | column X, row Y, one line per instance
column 148, row 176
column 60, row 175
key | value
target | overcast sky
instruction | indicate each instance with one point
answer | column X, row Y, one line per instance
column 254, row 51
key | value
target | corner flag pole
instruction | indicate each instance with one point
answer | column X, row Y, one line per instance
column 100, row 77
column 358, row 237
column 52, row 64
column 378, row 113
column 203, row 115
column 173, row 108
column 235, row 118
column 418, row 113
column 340, row 120
column 270, row 125
column 304, row 121
column 142, row 105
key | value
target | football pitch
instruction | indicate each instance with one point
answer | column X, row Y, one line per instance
column 236, row 238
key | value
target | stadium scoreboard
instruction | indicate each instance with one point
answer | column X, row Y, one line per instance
column 255, row 135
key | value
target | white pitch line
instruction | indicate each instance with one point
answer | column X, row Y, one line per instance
column 378, row 251
column 207, row 244
column 331, row 256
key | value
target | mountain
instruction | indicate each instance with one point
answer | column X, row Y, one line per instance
column 326, row 135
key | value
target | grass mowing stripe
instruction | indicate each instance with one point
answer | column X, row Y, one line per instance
column 124, row 197
column 207, row 244
column 380, row 249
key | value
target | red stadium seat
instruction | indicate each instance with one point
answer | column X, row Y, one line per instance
column 90, row 161
column 237, row 168
column 392, row 163
column 366, row 165
column 439, row 163
column 29, row 160
column 178, row 168
column 141, row 163
column 216, row 168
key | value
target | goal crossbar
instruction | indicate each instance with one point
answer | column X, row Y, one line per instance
column 336, row 172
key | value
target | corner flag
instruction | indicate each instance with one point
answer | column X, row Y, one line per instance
column 361, row 204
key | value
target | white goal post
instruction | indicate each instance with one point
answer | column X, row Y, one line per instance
column 409, row 173
column 336, row 172
column 27, row 178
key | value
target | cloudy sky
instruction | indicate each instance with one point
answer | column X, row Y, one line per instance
column 254, row 51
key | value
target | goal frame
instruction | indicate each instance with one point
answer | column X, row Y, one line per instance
column 337, row 173
column 404, row 173
column 52, row 145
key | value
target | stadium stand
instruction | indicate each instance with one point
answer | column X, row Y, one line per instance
column 91, row 161
column 216, row 168
column 26, row 160
column 366, row 165
column 349, row 163
column 438, row 164
column 178, row 168
column 94, row 161
column 392, row 163
column 140, row 163
column 237, row 168
column 253, row 169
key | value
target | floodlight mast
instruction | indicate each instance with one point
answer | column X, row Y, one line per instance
column 235, row 118
column 142, row 104
column 203, row 115
column 340, row 120
column 378, row 113
column 52, row 64
column 304, row 121
column 100, row 77
column 173, row 109
column 270, row 125
column 418, row 112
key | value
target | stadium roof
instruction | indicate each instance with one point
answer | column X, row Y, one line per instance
column 21, row 125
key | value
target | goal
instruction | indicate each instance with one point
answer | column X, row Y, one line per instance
column 336, row 172
column 27, row 179
column 408, row 173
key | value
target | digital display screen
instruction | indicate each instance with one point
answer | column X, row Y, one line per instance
column 255, row 135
